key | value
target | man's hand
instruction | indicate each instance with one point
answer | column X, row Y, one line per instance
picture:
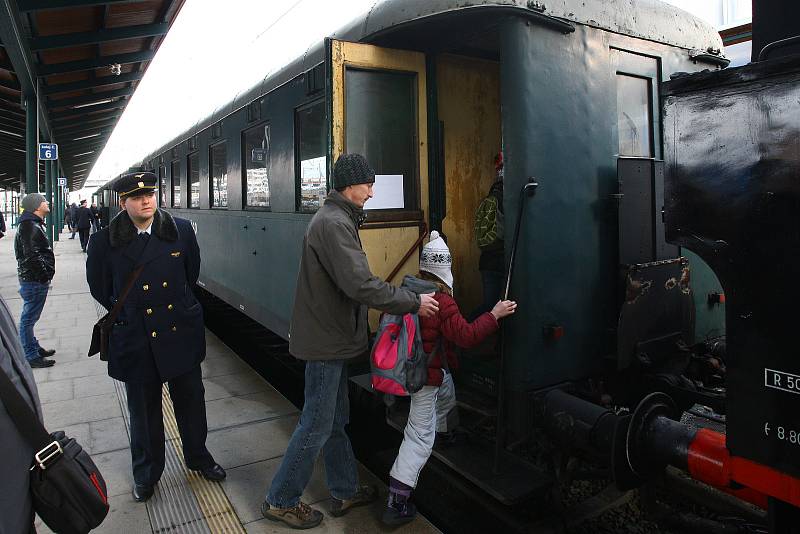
column 428, row 307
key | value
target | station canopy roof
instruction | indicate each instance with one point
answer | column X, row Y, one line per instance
column 87, row 58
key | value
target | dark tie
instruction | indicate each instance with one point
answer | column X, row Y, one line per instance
column 144, row 237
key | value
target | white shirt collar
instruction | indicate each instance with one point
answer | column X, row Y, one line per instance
column 146, row 230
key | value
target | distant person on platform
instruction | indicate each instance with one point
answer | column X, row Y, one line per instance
column 329, row 327
column 159, row 335
column 84, row 224
column 2, row 225
column 36, row 266
column 95, row 217
column 73, row 217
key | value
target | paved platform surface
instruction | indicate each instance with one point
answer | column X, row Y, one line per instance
column 249, row 424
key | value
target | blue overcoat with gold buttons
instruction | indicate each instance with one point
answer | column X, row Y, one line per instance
column 159, row 334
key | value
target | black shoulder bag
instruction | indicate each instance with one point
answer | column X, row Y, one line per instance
column 67, row 489
column 102, row 328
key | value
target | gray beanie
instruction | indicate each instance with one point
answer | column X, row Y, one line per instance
column 32, row 201
column 352, row 169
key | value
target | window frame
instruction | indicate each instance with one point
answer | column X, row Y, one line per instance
column 211, row 147
column 172, row 164
column 243, row 146
column 297, row 178
column 189, row 181
column 636, row 64
column 162, row 184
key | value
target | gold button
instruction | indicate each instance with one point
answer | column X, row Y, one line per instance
column 149, row 311
column 174, row 328
column 164, row 284
column 169, row 306
column 154, row 334
column 146, row 287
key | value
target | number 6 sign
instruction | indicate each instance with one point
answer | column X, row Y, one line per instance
column 48, row 151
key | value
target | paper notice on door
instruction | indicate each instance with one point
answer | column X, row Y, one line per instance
column 387, row 193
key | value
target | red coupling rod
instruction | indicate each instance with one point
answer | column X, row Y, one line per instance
column 710, row 461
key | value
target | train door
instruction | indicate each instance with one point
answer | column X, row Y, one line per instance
column 377, row 105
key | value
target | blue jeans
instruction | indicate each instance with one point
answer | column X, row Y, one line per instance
column 33, row 295
column 326, row 411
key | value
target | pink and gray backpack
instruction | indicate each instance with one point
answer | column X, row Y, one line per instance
column 398, row 361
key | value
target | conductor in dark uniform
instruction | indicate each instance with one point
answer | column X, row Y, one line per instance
column 159, row 335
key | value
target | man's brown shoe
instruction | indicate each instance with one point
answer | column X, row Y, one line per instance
column 301, row 516
column 364, row 495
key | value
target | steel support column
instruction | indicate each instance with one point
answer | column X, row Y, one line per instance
column 48, row 187
column 31, row 142
column 58, row 221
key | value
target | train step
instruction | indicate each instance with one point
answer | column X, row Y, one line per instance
column 512, row 482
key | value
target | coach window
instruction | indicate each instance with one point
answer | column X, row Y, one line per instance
column 312, row 146
column 638, row 128
column 162, row 186
column 255, row 144
column 193, row 172
column 217, row 162
column 634, row 120
column 175, row 174
column 381, row 123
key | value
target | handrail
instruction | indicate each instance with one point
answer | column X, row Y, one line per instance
column 423, row 232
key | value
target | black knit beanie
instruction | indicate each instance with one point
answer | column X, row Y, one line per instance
column 352, row 169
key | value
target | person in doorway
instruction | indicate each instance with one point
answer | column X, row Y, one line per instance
column 16, row 510
column 489, row 224
column 159, row 335
column 36, row 266
column 329, row 327
column 73, row 216
column 85, row 220
column 430, row 406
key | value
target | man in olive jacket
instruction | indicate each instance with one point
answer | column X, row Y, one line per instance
column 329, row 326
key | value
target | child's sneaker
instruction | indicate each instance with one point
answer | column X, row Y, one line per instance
column 398, row 512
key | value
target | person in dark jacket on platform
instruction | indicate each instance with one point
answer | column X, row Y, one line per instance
column 36, row 266
column 73, row 217
column 16, row 512
column 159, row 335
column 84, row 223
column 430, row 406
column 328, row 327
column 2, row 224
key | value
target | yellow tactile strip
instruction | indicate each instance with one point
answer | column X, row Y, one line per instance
column 214, row 504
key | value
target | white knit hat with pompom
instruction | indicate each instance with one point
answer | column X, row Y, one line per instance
column 436, row 259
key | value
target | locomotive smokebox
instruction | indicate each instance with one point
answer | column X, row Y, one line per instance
column 732, row 195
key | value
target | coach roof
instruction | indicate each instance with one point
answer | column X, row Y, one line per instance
column 646, row 19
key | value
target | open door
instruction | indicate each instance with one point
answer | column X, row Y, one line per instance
column 377, row 105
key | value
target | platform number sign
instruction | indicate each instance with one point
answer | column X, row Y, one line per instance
column 62, row 182
column 48, row 151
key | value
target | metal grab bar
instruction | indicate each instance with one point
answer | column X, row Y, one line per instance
column 423, row 232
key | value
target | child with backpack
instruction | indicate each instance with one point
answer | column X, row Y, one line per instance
column 430, row 405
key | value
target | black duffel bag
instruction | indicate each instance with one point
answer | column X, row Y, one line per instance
column 67, row 489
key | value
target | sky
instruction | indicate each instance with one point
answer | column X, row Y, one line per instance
column 216, row 49
column 213, row 51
